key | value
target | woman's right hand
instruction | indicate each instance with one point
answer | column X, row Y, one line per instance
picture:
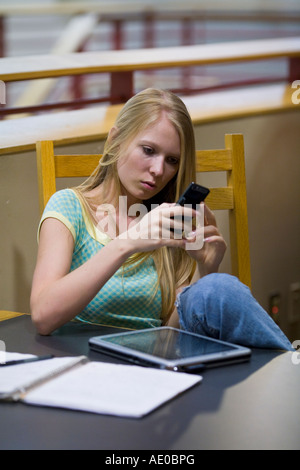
column 162, row 226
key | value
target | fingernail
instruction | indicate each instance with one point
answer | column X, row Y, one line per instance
column 191, row 234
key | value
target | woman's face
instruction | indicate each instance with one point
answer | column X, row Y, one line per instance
column 150, row 161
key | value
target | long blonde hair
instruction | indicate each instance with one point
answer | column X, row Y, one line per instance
column 174, row 266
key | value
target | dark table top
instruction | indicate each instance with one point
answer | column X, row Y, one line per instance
column 253, row 405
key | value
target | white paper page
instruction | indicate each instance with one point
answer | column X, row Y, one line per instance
column 113, row 389
column 13, row 356
column 20, row 376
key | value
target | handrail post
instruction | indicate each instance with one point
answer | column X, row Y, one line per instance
column 121, row 86
column 294, row 69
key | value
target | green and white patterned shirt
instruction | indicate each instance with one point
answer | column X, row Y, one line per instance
column 126, row 300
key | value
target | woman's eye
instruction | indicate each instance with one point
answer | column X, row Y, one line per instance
column 173, row 160
column 148, row 150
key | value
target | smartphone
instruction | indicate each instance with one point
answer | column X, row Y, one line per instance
column 193, row 195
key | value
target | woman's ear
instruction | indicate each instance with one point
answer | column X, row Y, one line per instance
column 112, row 134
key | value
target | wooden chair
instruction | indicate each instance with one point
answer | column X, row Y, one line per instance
column 232, row 197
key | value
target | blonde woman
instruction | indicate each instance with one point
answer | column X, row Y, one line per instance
column 113, row 250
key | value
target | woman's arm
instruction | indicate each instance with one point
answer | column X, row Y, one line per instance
column 211, row 254
column 58, row 295
column 173, row 320
column 208, row 257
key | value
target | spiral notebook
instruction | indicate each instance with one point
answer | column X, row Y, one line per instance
column 97, row 387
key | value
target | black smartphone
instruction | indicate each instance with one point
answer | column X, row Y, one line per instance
column 194, row 194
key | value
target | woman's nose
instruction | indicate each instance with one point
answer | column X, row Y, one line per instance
column 157, row 166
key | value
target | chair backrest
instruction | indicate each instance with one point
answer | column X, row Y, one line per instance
column 232, row 197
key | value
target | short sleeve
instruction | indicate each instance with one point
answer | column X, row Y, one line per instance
column 64, row 206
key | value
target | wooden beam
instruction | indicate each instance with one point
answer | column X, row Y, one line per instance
column 44, row 66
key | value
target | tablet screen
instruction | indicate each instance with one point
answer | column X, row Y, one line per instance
column 169, row 344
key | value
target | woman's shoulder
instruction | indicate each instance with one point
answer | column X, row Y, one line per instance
column 64, row 206
column 67, row 194
column 63, row 198
column 64, row 203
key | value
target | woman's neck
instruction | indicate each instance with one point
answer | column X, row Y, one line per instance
column 110, row 215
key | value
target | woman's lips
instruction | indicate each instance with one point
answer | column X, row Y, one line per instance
column 148, row 185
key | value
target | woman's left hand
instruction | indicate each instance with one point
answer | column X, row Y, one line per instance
column 214, row 246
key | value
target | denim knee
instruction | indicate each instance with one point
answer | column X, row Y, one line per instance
column 201, row 304
column 220, row 306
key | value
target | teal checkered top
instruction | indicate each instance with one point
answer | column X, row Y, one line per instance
column 130, row 298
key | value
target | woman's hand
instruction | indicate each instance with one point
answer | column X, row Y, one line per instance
column 214, row 246
column 162, row 226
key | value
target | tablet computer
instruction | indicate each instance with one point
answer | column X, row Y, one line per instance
column 169, row 348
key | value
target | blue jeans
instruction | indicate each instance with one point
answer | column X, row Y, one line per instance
column 220, row 306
